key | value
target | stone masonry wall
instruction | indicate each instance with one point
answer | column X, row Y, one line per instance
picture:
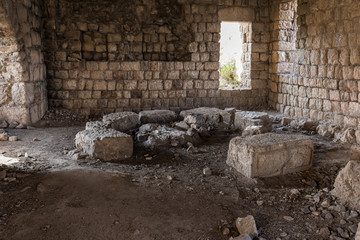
column 245, row 76
column 325, row 81
column 22, row 69
column 283, row 48
column 105, row 56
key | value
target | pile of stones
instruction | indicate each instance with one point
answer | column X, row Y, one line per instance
column 113, row 138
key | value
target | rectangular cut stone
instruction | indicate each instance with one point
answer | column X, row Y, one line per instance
column 270, row 154
column 105, row 144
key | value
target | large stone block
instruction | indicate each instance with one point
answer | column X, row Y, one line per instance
column 212, row 118
column 270, row 154
column 105, row 144
column 347, row 185
column 157, row 116
column 122, row 121
column 244, row 119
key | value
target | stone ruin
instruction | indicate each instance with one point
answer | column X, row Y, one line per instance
column 256, row 153
column 253, row 155
column 111, row 139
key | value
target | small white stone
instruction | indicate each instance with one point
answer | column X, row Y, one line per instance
column 288, row 218
column 13, row 138
column 207, row 171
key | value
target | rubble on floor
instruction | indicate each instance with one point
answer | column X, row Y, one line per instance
column 347, row 185
column 270, row 154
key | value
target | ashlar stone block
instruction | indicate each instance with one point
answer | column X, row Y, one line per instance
column 105, row 144
column 270, row 154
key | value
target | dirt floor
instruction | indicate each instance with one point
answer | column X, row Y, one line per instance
column 48, row 195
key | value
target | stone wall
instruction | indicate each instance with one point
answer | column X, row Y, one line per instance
column 245, row 75
column 105, row 56
column 22, row 69
column 324, row 83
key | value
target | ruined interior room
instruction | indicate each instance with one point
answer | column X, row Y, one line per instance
column 179, row 119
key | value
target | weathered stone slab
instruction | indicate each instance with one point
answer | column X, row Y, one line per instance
column 244, row 119
column 270, row 154
column 347, row 185
column 212, row 118
column 122, row 121
column 105, row 144
column 157, row 116
column 155, row 135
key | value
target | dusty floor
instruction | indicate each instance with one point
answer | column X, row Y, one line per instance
column 47, row 195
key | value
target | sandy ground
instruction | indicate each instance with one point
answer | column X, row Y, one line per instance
column 48, row 195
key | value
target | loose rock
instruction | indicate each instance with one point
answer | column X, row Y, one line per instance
column 4, row 137
column 13, row 138
column 324, row 232
column 247, row 226
column 207, row 171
